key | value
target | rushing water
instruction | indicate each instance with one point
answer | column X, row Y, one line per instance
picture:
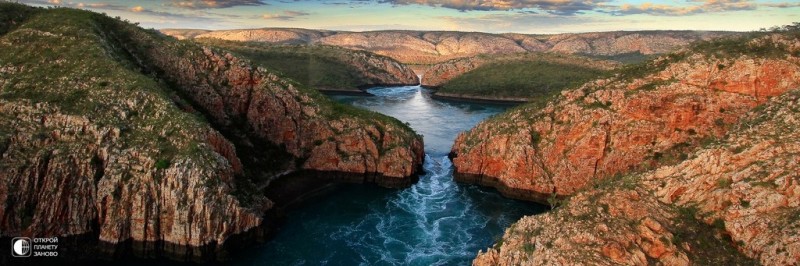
column 435, row 222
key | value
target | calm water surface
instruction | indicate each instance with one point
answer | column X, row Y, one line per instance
column 434, row 222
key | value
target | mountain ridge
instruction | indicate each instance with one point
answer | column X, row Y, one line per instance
column 428, row 47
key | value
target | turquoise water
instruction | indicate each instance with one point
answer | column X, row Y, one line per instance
column 435, row 222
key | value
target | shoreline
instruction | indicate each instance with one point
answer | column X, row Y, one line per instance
column 353, row 92
column 434, row 94
column 477, row 99
column 505, row 191
column 287, row 192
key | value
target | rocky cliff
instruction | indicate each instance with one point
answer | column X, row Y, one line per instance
column 438, row 74
column 126, row 135
column 420, row 47
column 323, row 67
column 521, row 77
column 647, row 115
column 736, row 197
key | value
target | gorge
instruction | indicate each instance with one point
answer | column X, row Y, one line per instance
column 435, row 222
column 294, row 146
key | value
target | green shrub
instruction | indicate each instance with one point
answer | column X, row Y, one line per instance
column 162, row 164
column 528, row 247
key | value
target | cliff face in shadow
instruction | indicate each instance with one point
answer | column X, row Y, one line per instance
column 128, row 135
column 422, row 47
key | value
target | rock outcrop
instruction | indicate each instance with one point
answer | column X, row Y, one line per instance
column 124, row 135
column 420, row 47
column 326, row 68
column 739, row 194
column 648, row 115
column 438, row 74
column 230, row 91
column 64, row 174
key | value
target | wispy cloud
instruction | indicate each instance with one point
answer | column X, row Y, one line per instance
column 120, row 9
column 285, row 15
column 520, row 22
column 537, row 16
column 73, row 4
column 560, row 7
column 782, row 5
column 208, row 4
column 700, row 6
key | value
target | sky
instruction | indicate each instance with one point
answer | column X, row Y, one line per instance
column 495, row 16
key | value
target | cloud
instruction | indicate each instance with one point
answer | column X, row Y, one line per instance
column 137, row 9
column 207, row 4
column 74, row 4
column 704, row 6
column 782, row 5
column 285, row 15
column 560, row 7
column 523, row 22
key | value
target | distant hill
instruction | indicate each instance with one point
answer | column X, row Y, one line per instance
column 427, row 47
column 513, row 77
column 324, row 67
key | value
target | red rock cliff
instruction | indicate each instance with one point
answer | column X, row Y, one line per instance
column 734, row 198
column 230, row 91
column 616, row 125
column 104, row 131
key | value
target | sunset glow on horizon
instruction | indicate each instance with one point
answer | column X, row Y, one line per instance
column 525, row 16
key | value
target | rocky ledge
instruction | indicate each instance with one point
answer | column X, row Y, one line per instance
column 123, row 135
column 648, row 115
column 736, row 201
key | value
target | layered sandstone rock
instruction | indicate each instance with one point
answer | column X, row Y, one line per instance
column 621, row 124
column 438, row 74
column 379, row 70
column 748, row 183
column 118, row 132
column 416, row 47
column 739, row 194
column 230, row 91
column 65, row 174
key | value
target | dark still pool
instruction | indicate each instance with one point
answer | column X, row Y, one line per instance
column 435, row 222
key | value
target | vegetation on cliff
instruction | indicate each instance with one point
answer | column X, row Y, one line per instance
column 645, row 115
column 321, row 66
column 734, row 199
column 521, row 76
column 110, row 129
column 685, row 159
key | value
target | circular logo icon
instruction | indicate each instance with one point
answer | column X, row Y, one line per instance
column 21, row 247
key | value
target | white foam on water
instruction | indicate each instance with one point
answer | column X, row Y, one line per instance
column 434, row 222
